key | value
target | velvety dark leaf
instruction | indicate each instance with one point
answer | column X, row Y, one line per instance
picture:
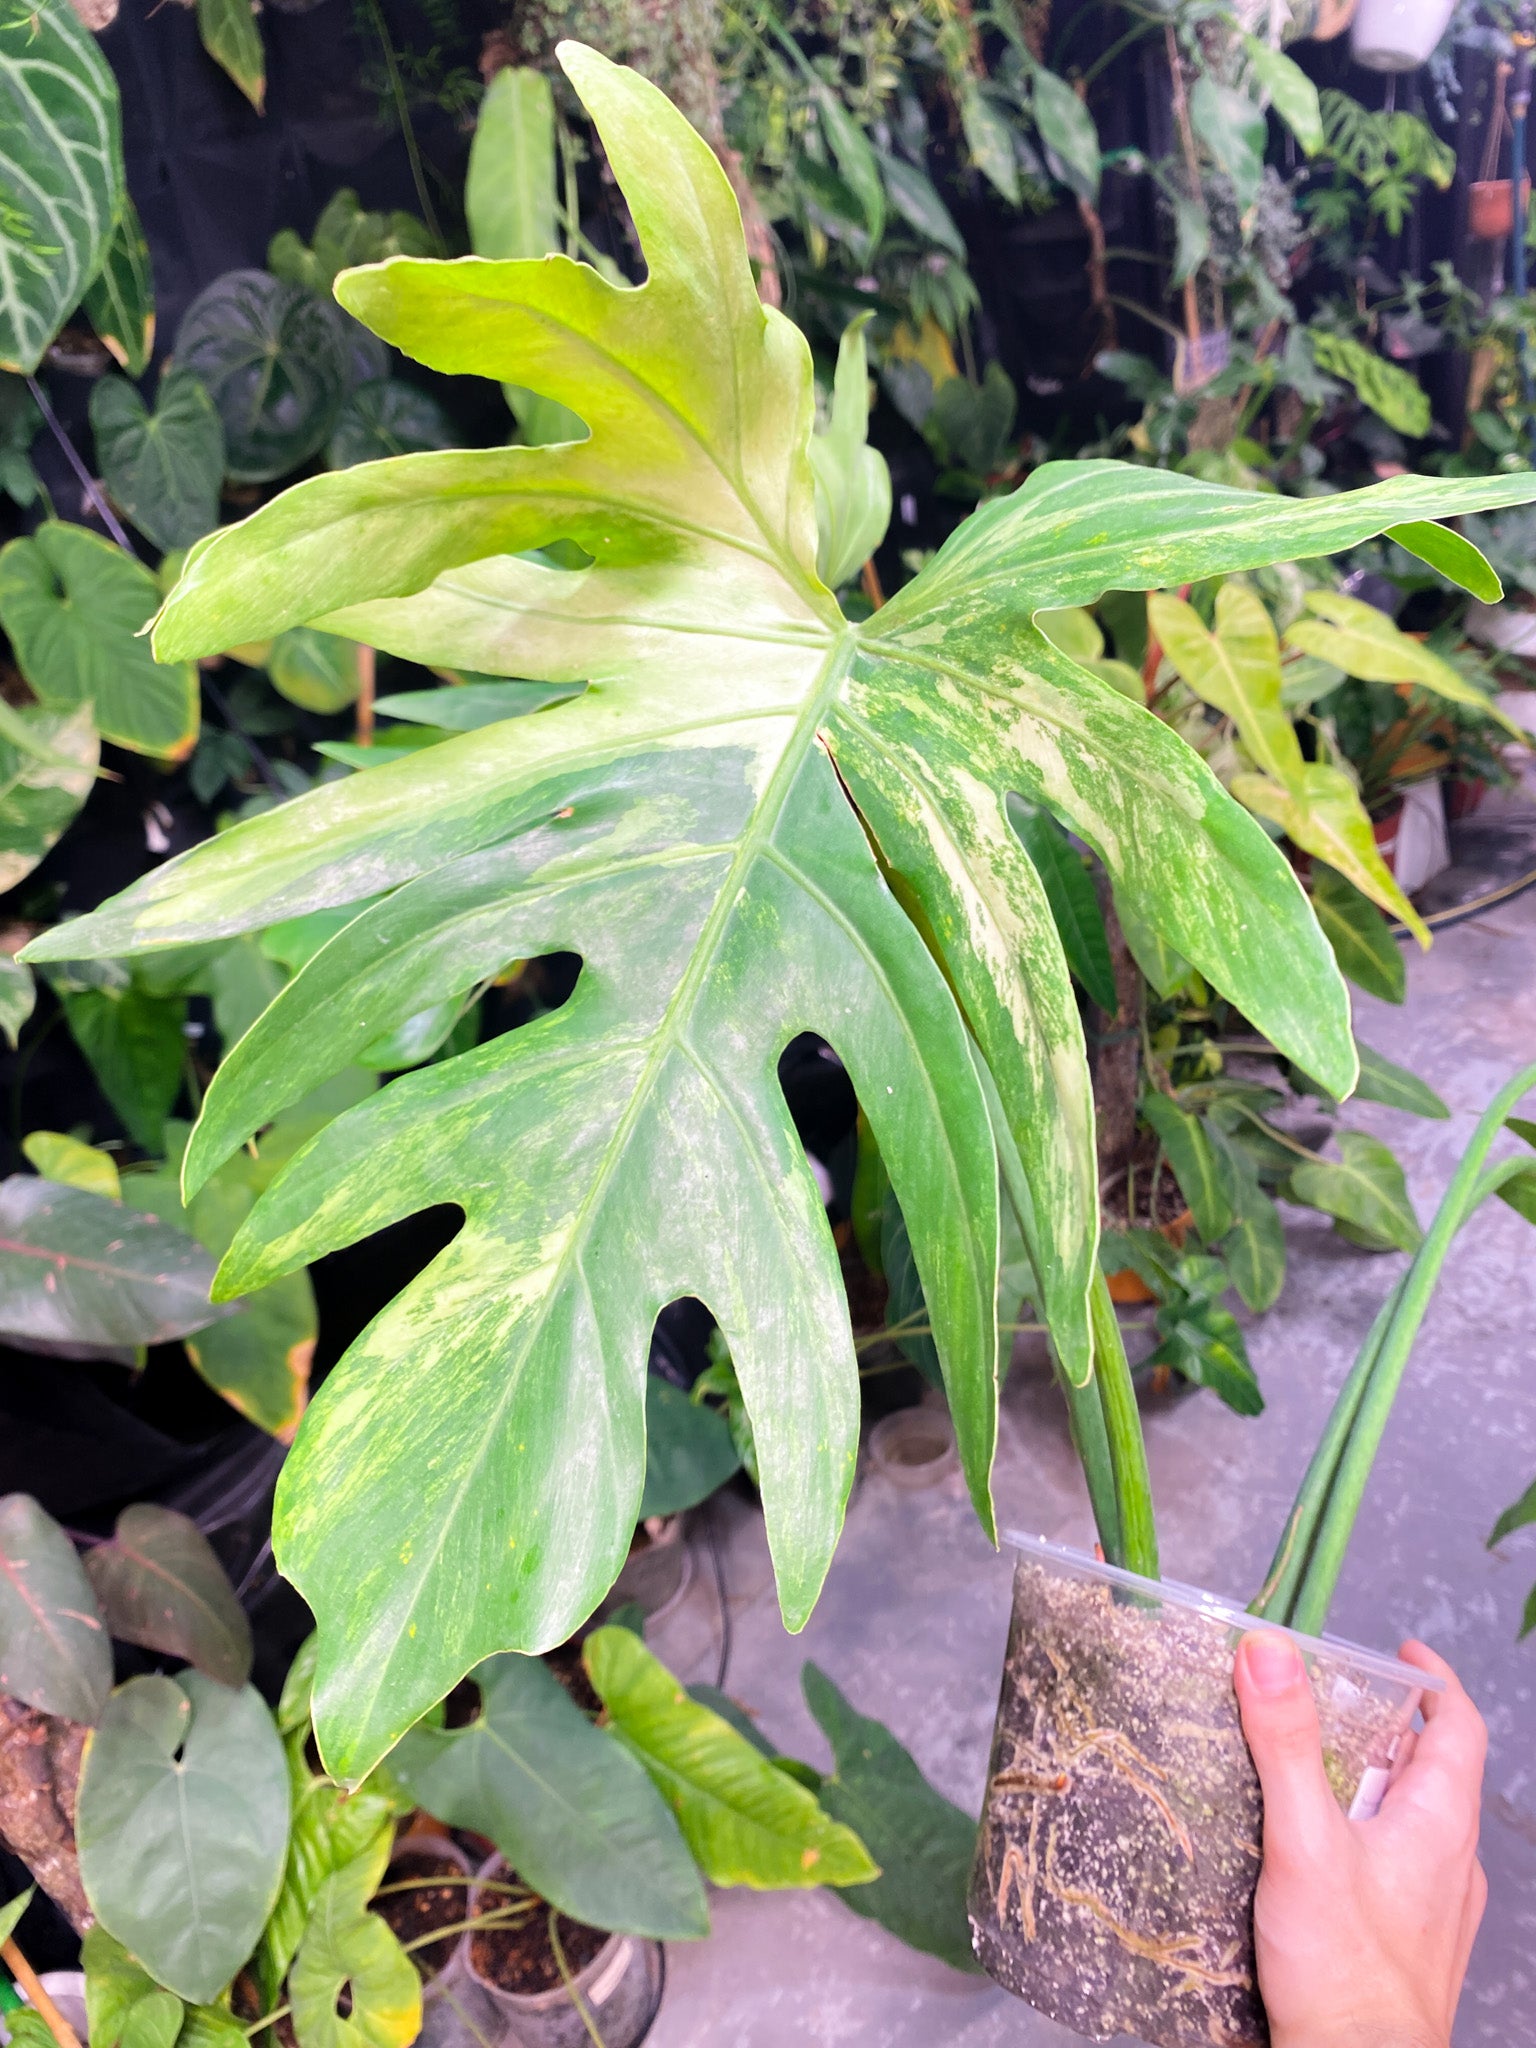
column 119, row 301
column 387, row 416
column 76, row 1268
column 274, row 359
column 162, row 468
column 54, row 1652
column 159, row 1583
column 923, row 1844
column 183, row 1826
column 137, row 1050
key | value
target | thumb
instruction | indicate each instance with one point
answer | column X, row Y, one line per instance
column 1274, row 1694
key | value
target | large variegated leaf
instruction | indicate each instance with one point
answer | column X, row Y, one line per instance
column 468, row 1479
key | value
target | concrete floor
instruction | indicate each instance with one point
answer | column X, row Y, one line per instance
column 912, row 1622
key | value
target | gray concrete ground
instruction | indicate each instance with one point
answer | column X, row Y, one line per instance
column 913, row 1619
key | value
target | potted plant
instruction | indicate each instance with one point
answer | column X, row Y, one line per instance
column 1126, row 1907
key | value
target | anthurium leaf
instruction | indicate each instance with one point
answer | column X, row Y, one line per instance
column 1231, row 126
column 1321, row 812
column 137, row 1050
column 1200, row 1170
column 57, row 1156
column 1291, row 93
column 61, row 168
column 54, row 1652
column 387, row 416
column 73, row 605
column 509, row 190
column 1518, row 1515
column 1364, row 642
column 1362, row 943
column 159, row 1583
column 1236, row 669
column 258, row 1360
column 923, row 1844
column 569, row 1807
column 1452, row 554
column 1364, row 1189
column 18, row 991
column 162, row 468
column 1204, row 1344
column 182, row 1826
column 1067, row 129
column 688, row 1450
column 912, row 193
column 76, row 1268
column 680, row 824
column 989, row 141
column 343, row 1948
column 745, row 1821
column 316, row 671
column 275, row 361
column 853, row 484
column 1382, row 1080
column 119, row 301
column 231, row 38
column 1070, row 893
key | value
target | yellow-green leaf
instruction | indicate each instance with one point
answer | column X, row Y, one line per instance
column 57, row 1156
column 1321, row 812
column 1236, row 669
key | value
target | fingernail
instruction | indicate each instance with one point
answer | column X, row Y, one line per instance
column 1274, row 1664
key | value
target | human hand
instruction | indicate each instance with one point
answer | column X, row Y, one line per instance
column 1363, row 1928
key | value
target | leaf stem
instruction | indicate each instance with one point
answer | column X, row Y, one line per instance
column 403, row 113
column 570, row 1982
column 83, row 477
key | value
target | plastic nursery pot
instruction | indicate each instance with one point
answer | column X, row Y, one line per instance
column 1398, row 35
column 1491, row 207
column 619, row 1977
column 418, row 1856
column 657, row 1571
column 1119, row 1846
column 914, row 1448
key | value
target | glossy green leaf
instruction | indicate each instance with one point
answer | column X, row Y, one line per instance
column 1074, row 904
column 989, row 141
column 1382, row 1080
column 1236, row 668
column 119, row 301
column 1253, row 1250
column 159, row 1583
column 912, row 193
column 1365, row 1189
column 1452, row 554
column 1198, row 1167
column 54, row 1652
column 74, row 605
column 316, row 671
column 18, row 990
column 1364, row 642
column 162, row 468
column 569, row 1807
column 688, row 1450
column 135, row 1046
column 680, row 824
column 346, row 1948
column 78, row 1269
column 923, row 1844
column 1204, row 1344
column 275, row 361
column 331, row 1831
column 1390, row 391
column 1362, row 943
column 241, row 980
column 465, row 707
column 61, row 170
column 1231, row 127
column 1067, row 129
column 745, row 1821
column 854, row 156
column 853, row 484
column 1320, row 811
column 1291, row 93
column 386, row 416
column 182, row 1826
column 230, row 36
column 1519, row 1514
column 123, row 2003
column 510, row 204
column 57, row 1156
column 1519, row 1191
column 39, row 798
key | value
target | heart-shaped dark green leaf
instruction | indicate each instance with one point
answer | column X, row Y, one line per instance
column 923, row 1844
column 39, row 797
column 74, row 605
column 1364, row 1190
column 182, row 1826
column 163, row 468
column 61, row 170
column 275, row 361
column 681, row 825
column 75, row 1268
column 159, row 1583
column 54, row 1652
column 387, row 416
column 688, row 1450
column 120, row 300
column 137, row 1049
column 745, row 1820
column 568, row 1806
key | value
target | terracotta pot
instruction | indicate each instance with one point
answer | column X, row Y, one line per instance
column 1333, row 17
column 1491, row 210
column 1463, row 795
column 1128, row 1288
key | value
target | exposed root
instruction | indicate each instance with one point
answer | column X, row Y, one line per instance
column 1177, row 1952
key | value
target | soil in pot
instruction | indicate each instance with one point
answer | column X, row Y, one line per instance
column 520, row 1959
column 1119, row 1849
column 416, row 1912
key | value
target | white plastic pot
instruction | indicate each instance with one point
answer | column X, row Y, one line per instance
column 1398, row 35
column 1509, row 627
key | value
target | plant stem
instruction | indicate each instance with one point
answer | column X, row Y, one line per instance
column 1372, row 1398
column 1127, row 1446
column 83, row 477
column 403, row 112
column 569, row 1981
